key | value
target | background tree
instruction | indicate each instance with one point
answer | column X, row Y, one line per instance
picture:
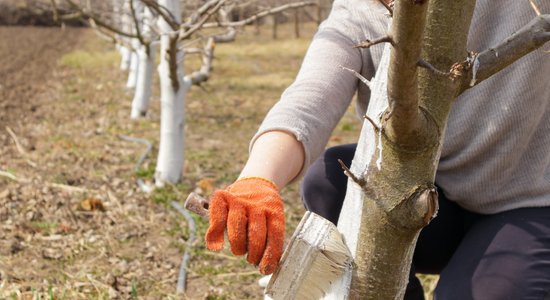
column 173, row 27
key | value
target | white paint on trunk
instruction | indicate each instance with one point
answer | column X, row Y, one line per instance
column 142, row 94
column 171, row 155
column 146, row 55
column 134, row 65
column 126, row 57
column 349, row 222
column 125, row 24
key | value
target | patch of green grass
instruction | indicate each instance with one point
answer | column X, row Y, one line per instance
column 170, row 193
column 44, row 225
column 216, row 297
column 50, row 292
column 347, row 126
column 134, row 291
column 80, row 59
column 147, row 172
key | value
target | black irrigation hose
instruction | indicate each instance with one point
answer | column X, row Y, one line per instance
column 142, row 185
column 182, row 278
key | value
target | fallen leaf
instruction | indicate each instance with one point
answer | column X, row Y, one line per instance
column 92, row 204
column 5, row 194
column 50, row 253
column 335, row 138
column 206, row 185
column 64, row 228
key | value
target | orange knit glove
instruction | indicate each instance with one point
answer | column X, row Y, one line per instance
column 252, row 210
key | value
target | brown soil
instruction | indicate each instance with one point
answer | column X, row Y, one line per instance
column 102, row 239
column 73, row 223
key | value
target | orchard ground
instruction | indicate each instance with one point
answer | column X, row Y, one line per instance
column 73, row 223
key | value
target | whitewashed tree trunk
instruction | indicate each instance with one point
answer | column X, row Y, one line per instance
column 126, row 57
column 146, row 55
column 173, row 90
column 136, row 45
column 349, row 223
column 134, row 65
column 125, row 52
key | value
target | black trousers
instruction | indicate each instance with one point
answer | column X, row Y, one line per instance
column 487, row 257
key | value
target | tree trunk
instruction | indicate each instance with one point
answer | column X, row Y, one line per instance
column 125, row 24
column 134, row 65
column 146, row 55
column 142, row 94
column 126, row 58
column 173, row 90
column 398, row 151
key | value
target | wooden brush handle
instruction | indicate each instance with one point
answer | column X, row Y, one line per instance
column 198, row 205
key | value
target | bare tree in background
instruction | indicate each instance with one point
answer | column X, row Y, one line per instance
column 139, row 25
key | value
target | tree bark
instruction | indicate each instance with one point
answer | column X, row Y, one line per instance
column 146, row 55
column 142, row 95
column 173, row 91
column 399, row 148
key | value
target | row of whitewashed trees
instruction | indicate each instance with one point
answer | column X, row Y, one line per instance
column 140, row 28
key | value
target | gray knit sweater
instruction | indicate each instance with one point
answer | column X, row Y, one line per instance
column 496, row 153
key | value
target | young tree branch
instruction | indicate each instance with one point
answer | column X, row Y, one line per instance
column 98, row 21
column 162, row 12
column 487, row 63
column 136, row 24
column 194, row 18
column 407, row 30
column 259, row 15
column 535, row 7
column 185, row 34
column 203, row 74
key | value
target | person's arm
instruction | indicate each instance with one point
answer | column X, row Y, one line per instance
column 292, row 135
column 277, row 156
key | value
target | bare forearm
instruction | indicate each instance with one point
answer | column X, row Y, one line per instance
column 277, row 156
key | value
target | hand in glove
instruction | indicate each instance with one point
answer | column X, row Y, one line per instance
column 252, row 211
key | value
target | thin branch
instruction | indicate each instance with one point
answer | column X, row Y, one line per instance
column 163, row 13
column 361, row 182
column 371, row 121
column 106, row 34
column 20, row 148
column 259, row 15
column 203, row 74
column 535, row 7
column 389, row 7
column 98, row 20
column 363, row 79
column 136, row 23
column 192, row 50
column 380, row 40
column 64, row 187
column 185, row 34
column 13, row 177
column 426, row 65
column 487, row 63
column 200, row 12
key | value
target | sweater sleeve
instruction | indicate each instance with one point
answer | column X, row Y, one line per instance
column 312, row 105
